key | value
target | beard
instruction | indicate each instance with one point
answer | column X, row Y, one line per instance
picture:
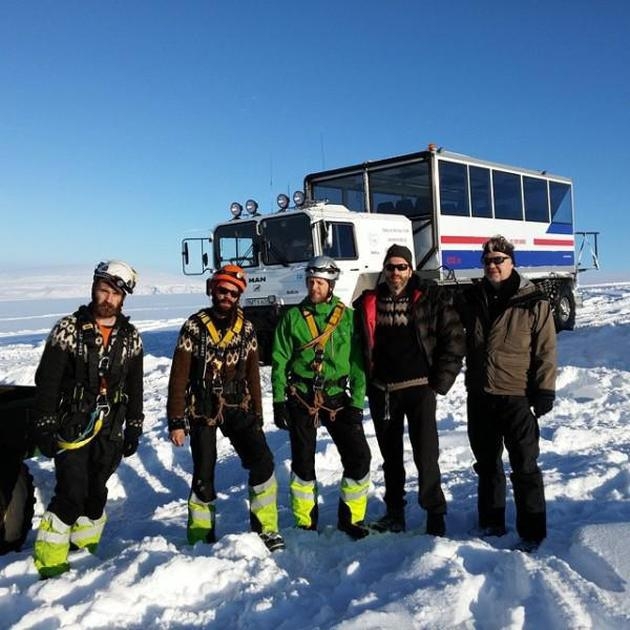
column 102, row 310
column 223, row 306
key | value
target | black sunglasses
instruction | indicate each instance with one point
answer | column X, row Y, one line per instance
column 226, row 291
column 399, row 267
column 497, row 260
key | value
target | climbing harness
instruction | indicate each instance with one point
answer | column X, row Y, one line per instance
column 217, row 387
column 318, row 342
column 93, row 374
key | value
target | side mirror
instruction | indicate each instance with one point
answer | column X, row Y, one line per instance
column 326, row 235
column 195, row 256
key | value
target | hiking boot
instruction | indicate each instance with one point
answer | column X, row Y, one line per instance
column 393, row 521
column 273, row 541
column 435, row 524
column 527, row 546
column 356, row 531
column 492, row 530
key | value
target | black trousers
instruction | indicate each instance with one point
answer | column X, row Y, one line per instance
column 81, row 478
column 418, row 404
column 492, row 422
column 349, row 438
column 246, row 436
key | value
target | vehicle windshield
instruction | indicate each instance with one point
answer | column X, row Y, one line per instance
column 236, row 243
column 286, row 238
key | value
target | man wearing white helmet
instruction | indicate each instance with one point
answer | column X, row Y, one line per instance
column 317, row 377
column 88, row 413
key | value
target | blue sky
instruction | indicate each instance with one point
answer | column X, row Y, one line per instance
column 127, row 125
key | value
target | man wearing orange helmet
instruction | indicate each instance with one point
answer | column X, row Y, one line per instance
column 215, row 382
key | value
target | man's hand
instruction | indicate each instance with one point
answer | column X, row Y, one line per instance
column 177, row 437
column 542, row 403
column 45, row 430
column 178, row 429
column 281, row 415
column 131, row 441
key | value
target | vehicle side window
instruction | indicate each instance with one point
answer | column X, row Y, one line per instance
column 507, row 195
column 343, row 245
column 536, row 199
column 480, row 191
column 561, row 204
column 453, row 189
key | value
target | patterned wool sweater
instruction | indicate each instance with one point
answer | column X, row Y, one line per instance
column 239, row 363
column 59, row 367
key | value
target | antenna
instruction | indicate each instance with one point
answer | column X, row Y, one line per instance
column 321, row 147
column 271, row 201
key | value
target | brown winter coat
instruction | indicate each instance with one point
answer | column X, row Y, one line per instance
column 516, row 354
column 240, row 365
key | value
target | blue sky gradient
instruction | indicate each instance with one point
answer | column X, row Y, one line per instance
column 126, row 126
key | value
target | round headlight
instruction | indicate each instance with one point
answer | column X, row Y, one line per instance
column 298, row 198
column 251, row 206
column 236, row 209
column 283, row 201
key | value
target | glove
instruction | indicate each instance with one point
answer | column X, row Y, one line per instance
column 281, row 416
column 353, row 415
column 44, row 431
column 131, row 440
column 47, row 444
column 542, row 403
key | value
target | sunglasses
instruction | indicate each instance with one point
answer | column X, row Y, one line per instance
column 496, row 260
column 399, row 267
column 226, row 291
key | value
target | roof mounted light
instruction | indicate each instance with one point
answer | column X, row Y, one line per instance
column 236, row 209
column 283, row 202
column 251, row 207
column 298, row 198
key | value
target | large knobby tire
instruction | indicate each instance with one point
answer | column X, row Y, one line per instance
column 17, row 512
column 564, row 311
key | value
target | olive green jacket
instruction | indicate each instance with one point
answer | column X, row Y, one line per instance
column 514, row 355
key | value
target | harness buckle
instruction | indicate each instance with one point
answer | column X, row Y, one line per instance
column 103, row 365
column 102, row 405
column 318, row 382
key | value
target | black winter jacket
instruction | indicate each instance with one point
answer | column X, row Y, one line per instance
column 64, row 365
column 438, row 328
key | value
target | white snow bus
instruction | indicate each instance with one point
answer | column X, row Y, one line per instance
column 442, row 205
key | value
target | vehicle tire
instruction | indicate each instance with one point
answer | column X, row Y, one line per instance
column 17, row 512
column 564, row 311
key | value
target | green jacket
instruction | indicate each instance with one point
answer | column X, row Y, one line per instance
column 342, row 354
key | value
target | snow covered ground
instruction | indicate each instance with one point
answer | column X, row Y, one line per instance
column 146, row 576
